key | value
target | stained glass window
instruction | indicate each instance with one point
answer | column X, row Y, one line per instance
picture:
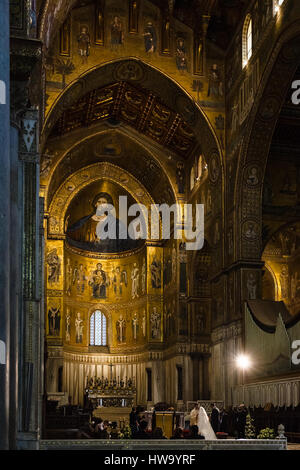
column 98, row 327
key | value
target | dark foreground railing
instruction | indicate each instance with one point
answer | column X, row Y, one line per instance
column 170, row 445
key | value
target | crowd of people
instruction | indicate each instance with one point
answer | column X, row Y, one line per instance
column 231, row 422
column 99, row 429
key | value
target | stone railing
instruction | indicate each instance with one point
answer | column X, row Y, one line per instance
column 172, row 446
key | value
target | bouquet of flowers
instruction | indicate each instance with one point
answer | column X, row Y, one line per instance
column 249, row 429
column 125, row 433
column 266, row 433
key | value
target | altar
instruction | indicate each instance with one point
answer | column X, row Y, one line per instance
column 166, row 421
column 120, row 415
column 112, row 400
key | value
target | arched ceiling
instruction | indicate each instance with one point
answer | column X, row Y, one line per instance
column 109, row 116
column 283, row 241
column 132, row 97
column 225, row 15
column 281, row 202
column 105, row 145
column 96, row 175
column 151, row 101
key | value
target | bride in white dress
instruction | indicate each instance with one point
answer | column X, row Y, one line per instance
column 204, row 426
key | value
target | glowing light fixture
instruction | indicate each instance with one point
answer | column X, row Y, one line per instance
column 243, row 362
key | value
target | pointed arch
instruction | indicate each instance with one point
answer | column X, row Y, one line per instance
column 254, row 149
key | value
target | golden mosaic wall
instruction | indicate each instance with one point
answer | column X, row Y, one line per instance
column 91, row 37
column 127, row 286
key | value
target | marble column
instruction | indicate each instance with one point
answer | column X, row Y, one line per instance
column 5, row 223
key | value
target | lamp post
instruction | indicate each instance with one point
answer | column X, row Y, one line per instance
column 243, row 363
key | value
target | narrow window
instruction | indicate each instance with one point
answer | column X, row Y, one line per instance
column 247, row 40
column 98, row 329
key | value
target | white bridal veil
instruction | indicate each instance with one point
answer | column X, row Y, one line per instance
column 204, row 426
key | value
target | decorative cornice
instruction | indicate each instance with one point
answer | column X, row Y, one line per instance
column 226, row 332
column 24, row 54
column 116, row 355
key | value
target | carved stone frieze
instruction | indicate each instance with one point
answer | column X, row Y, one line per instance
column 224, row 333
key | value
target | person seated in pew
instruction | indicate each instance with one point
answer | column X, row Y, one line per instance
column 178, row 434
column 194, row 433
column 158, row 434
column 141, row 433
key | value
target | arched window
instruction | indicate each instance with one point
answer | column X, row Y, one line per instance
column 192, row 178
column 200, row 164
column 276, row 6
column 98, row 329
column 247, row 40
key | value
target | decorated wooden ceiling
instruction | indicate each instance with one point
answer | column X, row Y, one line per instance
column 138, row 108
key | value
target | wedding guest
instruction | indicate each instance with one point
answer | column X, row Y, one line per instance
column 142, row 434
column 215, row 418
column 241, row 421
column 114, row 433
column 194, row 433
column 158, row 434
column 224, row 421
column 133, row 421
column 178, row 434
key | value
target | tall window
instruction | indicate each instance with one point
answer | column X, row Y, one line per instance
column 98, row 329
column 276, row 5
column 247, row 40
column 192, row 178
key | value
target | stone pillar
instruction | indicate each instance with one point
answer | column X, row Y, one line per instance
column 15, row 281
column 158, row 381
column 31, row 356
column 26, row 252
column 188, row 374
column 205, row 378
column 5, row 223
column 196, row 376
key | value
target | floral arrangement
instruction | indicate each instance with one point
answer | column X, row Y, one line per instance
column 250, row 429
column 125, row 433
column 266, row 433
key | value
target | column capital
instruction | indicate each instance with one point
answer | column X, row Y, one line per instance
column 28, row 143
